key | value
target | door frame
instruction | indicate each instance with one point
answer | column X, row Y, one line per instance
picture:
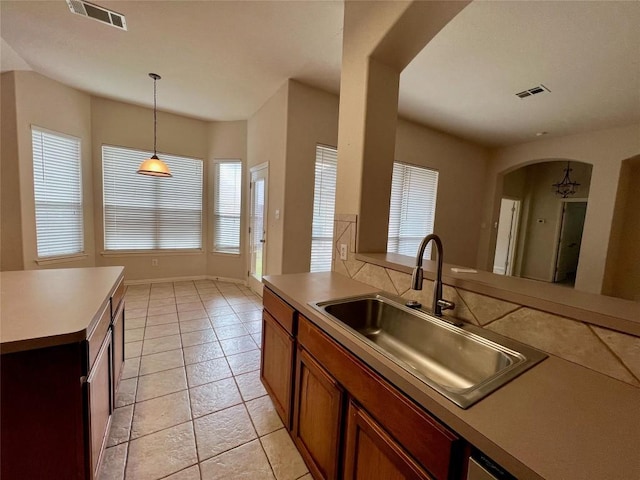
column 253, row 282
column 514, row 231
column 558, row 232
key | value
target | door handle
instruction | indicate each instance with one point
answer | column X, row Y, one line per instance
column 262, row 240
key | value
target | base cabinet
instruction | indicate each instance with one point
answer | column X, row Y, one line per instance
column 318, row 416
column 56, row 402
column 277, row 365
column 346, row 420
column 98, row 389
column 370, row 452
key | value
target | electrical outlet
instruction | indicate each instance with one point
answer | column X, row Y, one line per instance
column 154, row 262
column 343, row 251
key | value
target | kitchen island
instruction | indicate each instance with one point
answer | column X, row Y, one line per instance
column 62, row 346
column 556, row 421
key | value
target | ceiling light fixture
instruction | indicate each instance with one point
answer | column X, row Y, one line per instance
column 153, row 166
column 566, row 187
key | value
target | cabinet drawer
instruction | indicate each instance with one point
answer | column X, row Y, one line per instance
column 99, row 332
column 116, row 298
column 434, row 447
column 281, row 311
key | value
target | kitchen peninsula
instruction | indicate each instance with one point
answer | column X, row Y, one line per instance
column 556, row 421
column 62, row 346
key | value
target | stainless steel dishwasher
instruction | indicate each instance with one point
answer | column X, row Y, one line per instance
column 483, row 468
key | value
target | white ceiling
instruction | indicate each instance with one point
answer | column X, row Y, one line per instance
column 221, row 60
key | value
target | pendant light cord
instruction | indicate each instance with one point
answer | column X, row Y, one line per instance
column 155, row 117
column 155, row 77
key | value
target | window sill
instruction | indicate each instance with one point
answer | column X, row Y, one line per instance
column 150, row 253
column 61, row 259
column 225, row 254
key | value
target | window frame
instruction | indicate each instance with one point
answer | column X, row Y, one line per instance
column 71, row 255
column 106, row 252
column 215, row 189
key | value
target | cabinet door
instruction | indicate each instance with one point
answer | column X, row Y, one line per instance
column 370, row 452
column 99, row 394
column 317, row 417
column 276, row 366
column 118, row 347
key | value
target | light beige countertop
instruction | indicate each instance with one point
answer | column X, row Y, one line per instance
column 609, row 312
column 556, row 421
column 42, row 308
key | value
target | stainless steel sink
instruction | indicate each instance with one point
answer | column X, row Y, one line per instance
column 462, row 362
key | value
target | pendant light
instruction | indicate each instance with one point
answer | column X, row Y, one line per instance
column 153, row 166
column 566, row 187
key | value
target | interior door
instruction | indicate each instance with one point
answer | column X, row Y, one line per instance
column 258, row 227
column 507, row 236
column 573, row 215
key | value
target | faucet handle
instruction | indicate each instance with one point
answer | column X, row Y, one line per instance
column 446, row 304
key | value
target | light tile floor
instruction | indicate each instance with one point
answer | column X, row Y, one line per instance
column 191, row 405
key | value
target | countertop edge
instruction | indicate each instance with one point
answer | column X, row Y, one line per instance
column 77, row 336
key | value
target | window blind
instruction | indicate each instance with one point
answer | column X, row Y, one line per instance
column 226, row 206
column 57, row 184
column 413, row 208
column 150, row 213
column 324, row 200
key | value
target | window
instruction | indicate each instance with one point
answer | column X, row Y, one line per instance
column 57, row 185
column 226, row 206
column 413, row 208
column 324, row 201
column 150, row 213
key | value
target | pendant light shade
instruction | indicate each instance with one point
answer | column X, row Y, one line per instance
column 153, row 166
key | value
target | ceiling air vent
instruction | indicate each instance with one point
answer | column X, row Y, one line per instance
column 532, row 91
column 98, row 13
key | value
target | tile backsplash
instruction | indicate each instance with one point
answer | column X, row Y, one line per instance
column 606, row 351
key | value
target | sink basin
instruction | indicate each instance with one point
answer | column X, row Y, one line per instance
column 462, row 362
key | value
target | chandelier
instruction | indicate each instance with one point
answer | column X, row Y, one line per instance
column 566, row 187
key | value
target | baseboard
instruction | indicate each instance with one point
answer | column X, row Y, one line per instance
column 186, row 279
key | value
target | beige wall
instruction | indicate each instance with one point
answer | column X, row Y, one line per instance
column 10, row 215
column 312, row 118
column 462, row 169
column 622, row 277
column 122, row 124
column 45, row 103
column 227, row 141
column 605, row 150
column 267, row 142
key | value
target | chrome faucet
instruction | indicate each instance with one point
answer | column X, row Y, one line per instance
column 439, row 303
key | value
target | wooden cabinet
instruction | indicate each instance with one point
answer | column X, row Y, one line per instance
column 57, row 400
column 317, row 417
column 99, row 394
column 278, row 353
column 277, row 365
column 346, row 420
column 437, row 449
column 370, row 452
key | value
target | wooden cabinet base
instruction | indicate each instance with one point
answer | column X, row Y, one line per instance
column 317, row 417
column 372, row 453
column 276, row 366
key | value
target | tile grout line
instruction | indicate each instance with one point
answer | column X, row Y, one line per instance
column 615, row 355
